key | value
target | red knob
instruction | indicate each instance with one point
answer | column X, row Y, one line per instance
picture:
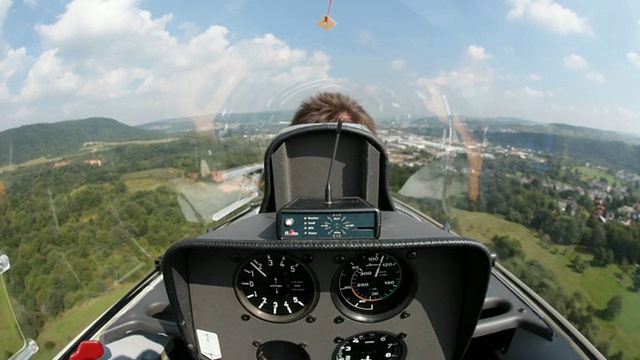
column 88, row 350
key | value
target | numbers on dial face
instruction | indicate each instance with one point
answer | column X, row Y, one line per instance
column 373, row 286
column 368, row 279
column 370, row 346
column 276, row 287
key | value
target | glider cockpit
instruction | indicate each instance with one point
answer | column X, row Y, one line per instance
column 306, row 278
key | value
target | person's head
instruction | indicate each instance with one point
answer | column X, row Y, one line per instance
column 331, row 106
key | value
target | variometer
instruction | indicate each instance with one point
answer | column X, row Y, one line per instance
column 276, row 287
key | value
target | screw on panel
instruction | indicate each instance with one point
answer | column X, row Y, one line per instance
column 339, row 259
column 256, row 343
column 190, row 346
column 307, row 259
column 183, row 323
column 311, row 319
column 522, row 310
column 412, row 255
column 235, row 258
column 402, row 336
column 405, row 314
column 303, row 345
column 338, row 320
column 338, row 340
column 245, row 317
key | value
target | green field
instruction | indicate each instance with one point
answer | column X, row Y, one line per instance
column 150, row 179
column 100, row 147
column 598, row 284
column 59, row 332
column 38, row 161
column 587, row 173
column 103, row 145
column 10, row 338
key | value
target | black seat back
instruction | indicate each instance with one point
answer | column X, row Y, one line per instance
column 297, row 165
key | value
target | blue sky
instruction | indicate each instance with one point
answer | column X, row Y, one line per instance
column 573, row 62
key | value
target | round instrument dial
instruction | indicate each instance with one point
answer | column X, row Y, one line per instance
column 372, row 345
column 337, row 225
column 373, row 286
column 276, row 287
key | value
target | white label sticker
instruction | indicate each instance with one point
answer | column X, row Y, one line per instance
column 209, row 344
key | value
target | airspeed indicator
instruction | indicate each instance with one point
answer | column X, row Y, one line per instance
column 373, row 286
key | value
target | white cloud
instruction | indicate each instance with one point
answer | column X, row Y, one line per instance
column 550, row 15
column 49, row 76
column 596, row 77
column 9, row 66
column 112, row 58
column 461, row 78
column 574, row 61
column 11, row 62
column 535, row 77
column 532, row 92
column 528, row 92
column 633, row 58
column 190, row 29
column 4, row 8
column 577, row 62
column 465, row 88
column 115, row 31
column 478, row 52
column 397, row 64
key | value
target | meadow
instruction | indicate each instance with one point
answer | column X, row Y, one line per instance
column 598, row 284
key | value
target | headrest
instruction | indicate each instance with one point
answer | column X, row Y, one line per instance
column 297, row 162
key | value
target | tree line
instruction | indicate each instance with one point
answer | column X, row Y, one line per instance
column 531, row 204
column 599, row 151
column 74, row 231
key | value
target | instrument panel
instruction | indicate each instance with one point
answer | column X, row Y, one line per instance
column 368, row 287
column 282, row 300
column 239, row 293
column 318, row 302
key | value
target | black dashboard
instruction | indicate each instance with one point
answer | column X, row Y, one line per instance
column 200, row 289
column 415, row 293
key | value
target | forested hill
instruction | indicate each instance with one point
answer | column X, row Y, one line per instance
column 614, row 153
column 180, row 125
column 54, row 139
column 527, row 126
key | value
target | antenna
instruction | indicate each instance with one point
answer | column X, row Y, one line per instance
column 327, row 190
column 343, row 218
